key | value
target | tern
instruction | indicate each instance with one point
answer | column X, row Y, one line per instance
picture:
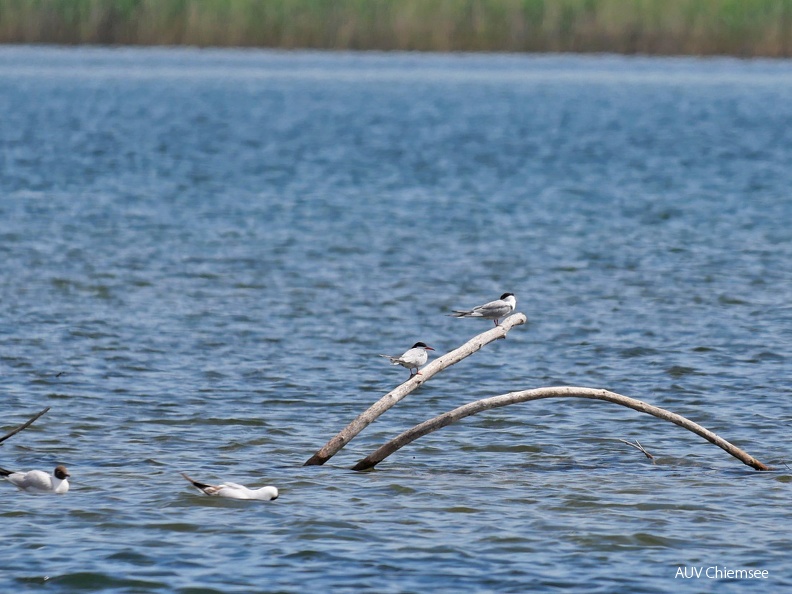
column 235, row 491
column 494, row 310
column 38, row 481
column 412, row 358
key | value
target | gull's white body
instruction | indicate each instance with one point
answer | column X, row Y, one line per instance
column 235, row 491
column 38, row 481
column 494, row 310
column 412, row 358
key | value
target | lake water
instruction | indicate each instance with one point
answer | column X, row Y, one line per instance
column 203, row 252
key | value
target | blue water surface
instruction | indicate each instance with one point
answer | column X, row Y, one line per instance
column 202, row 253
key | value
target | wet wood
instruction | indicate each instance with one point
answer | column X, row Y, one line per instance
column 637, row 445
column 390, row 399
column 541, row 393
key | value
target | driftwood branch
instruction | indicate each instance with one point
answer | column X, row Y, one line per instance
column 24, row 425
column 637, row 445
column 363, row 420
column 558, row 392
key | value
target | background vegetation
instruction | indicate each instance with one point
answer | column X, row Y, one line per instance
column 735, row 27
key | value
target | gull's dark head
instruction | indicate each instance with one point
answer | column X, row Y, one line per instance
column 61, row 472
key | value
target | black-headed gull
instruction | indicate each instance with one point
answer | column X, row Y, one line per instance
column 235, row 491
column 412, row 358
column 38, row 481
column 494, row 310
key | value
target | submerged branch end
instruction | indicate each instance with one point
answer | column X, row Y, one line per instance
column 637, row 445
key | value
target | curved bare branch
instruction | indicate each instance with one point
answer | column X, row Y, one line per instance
column 557, row 392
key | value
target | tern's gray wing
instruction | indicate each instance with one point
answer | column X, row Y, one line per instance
column 414, row 356
column 493, row 308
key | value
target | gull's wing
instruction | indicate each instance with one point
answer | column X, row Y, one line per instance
column 208, row 489
column 234, row 486
column 35, row 480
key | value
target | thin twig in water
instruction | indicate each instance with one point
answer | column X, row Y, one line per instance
column 23, row 426
column 637, row 445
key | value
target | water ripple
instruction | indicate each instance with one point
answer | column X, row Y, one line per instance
column 198, row 277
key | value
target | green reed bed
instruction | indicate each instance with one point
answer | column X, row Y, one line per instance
column 735, row 27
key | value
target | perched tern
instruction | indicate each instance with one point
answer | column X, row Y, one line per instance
column 494, row 310
column 234, row 491
column 38, row 481
column 412, row 358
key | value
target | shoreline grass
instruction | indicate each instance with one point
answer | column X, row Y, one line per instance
column 748, row 28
